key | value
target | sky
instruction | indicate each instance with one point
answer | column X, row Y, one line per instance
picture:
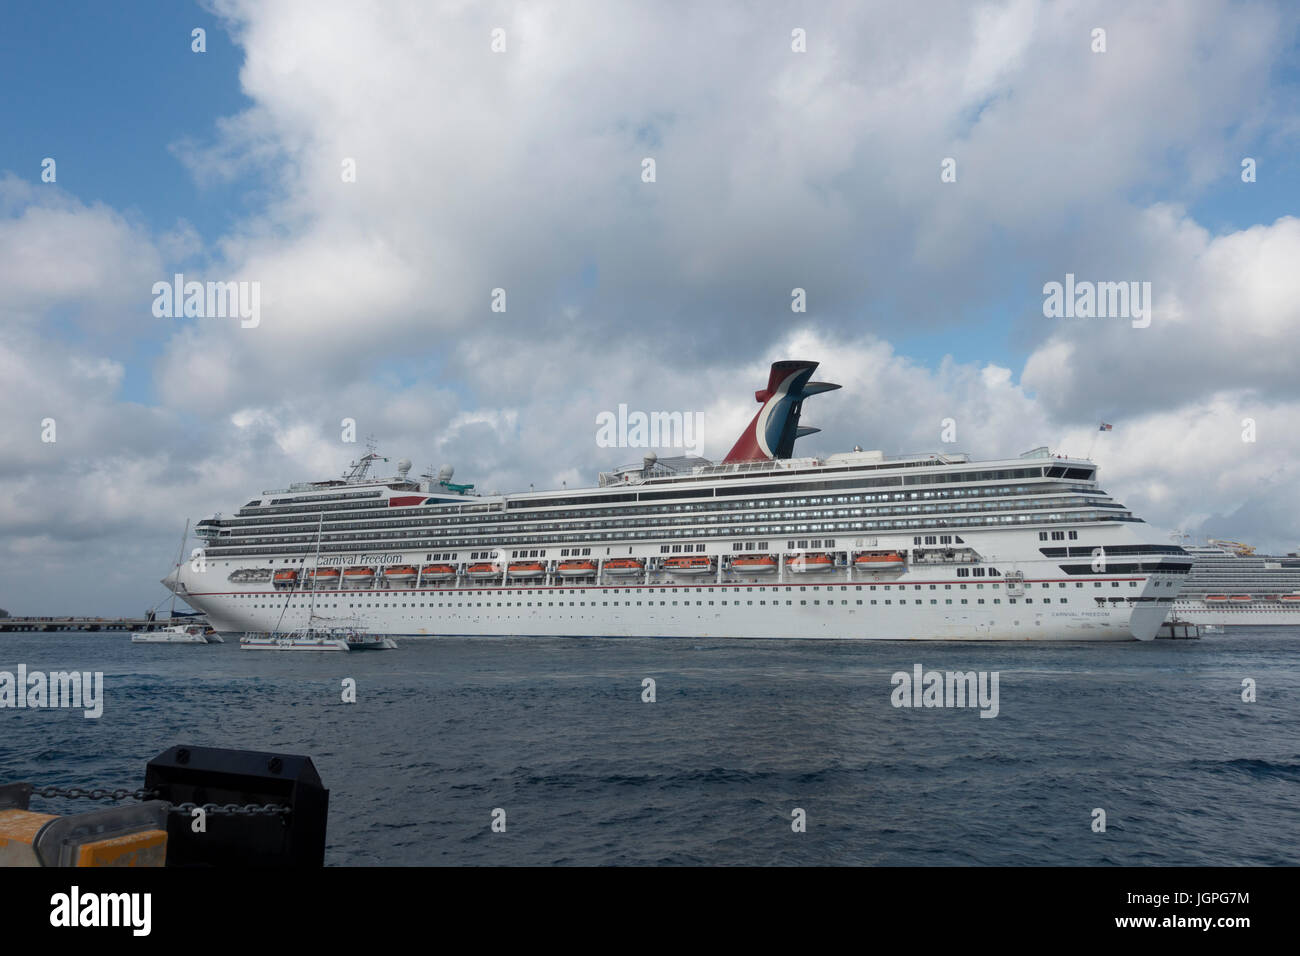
column 376, row 171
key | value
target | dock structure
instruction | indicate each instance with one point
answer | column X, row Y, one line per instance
column 8, row 624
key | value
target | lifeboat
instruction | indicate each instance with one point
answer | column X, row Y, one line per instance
column 1291, row 597
column 358, row 577
column 325, row 578
column 623, row 567
column 483, row 572
column 285, row 579
column 806, row 563
column 576, row 569
column 400, row 574
column 437, row 572
column 1216, row 597
column 698, row 564
column 754, row 564
column 1240, row 597
column 885, row 561
column 527, row 569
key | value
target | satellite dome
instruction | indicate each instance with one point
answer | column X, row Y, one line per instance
column 445, row 473
column 403, row 466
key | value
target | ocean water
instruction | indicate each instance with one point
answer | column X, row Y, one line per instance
column 555, row 733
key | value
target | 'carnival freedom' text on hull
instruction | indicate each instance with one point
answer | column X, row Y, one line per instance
column 762, row 544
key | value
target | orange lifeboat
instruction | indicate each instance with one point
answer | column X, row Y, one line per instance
column 754, row 564
column 1216, row 597
column 400, row 574
column 482, row 572
column 324, row 578
column 527, row 569
column 358, row 577
column 576, row 569
column 1291, row 597
column 437, row 572
column 285, row 579
column 880, row 561
column 1240, row 597
column 806, row 563
column 698, row 564
column 623, row 567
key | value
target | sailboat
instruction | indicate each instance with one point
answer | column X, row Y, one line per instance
column 319, row 634
column 178, row 633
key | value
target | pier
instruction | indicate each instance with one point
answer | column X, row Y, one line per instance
column 8, row 624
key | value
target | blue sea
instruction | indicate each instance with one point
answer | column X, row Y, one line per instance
column 741, row 734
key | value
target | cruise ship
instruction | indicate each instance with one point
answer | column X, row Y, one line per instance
column 761, row 544
column 1231, row 585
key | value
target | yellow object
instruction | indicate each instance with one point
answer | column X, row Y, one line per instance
column 45, row 839
column 1241, row 550
column 18, row 829
column 146, row 848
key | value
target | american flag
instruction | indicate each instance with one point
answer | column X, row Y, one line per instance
column 1104, row 427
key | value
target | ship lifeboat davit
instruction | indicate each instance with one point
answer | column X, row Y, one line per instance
column 807, row 563
column 285, row 579
column 624, row 567
column 576, row 569
column 400, row 574
column 324, row 578
column 483, row 572
column 437, row 572
column 525, row 570
column 880, row 561
column 358, row 577
column 754, row 564
column 696, row 565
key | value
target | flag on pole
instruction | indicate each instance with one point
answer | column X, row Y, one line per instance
column 1104, row 427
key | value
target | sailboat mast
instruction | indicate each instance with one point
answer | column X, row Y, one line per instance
column 180, row 553
column 311, row 611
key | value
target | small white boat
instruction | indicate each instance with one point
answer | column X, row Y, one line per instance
column 370, row 642
column 299, row 639
column 319, row 637
column 175, row 634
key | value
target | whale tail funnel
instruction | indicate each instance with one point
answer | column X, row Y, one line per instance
column 772, row 433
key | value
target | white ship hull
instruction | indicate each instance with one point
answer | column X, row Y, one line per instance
column 1226, row 614
column 834, row 605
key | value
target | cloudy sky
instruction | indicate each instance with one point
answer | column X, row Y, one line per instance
column 522, row 169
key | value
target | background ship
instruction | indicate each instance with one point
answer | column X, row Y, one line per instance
column 1231, row 585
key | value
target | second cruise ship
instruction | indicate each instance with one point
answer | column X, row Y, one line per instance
column 759, row 545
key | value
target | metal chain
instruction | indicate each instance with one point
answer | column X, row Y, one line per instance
column 228, row 809
column 234, row 809
column 75, row 793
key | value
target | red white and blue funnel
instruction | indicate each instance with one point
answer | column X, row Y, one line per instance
column 774, row 429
